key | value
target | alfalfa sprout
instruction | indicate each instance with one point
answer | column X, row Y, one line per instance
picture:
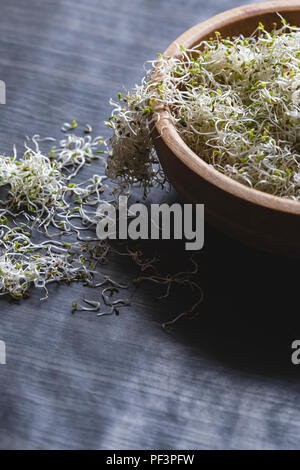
column 234, row 101
column 40, row 200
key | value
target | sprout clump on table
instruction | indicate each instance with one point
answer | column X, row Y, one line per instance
column 44, row 216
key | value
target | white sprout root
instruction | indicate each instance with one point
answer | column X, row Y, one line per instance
column 234, row 101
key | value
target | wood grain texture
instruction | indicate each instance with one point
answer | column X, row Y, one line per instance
column 76, row 382
column 254, row 217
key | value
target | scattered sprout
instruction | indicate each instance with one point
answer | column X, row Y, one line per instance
column 40, row 198
column 69, row 127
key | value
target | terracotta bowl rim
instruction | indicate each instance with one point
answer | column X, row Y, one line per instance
column 175, row 143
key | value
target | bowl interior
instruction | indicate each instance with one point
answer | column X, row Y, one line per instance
column 242, row 20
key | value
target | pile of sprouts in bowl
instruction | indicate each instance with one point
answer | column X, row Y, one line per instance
column 234, row 101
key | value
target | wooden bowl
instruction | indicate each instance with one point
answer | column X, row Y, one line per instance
column 268, row 222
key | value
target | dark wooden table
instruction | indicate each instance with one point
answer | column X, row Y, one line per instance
column 76, row 381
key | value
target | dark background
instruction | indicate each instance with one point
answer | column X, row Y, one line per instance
column 224, row 380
